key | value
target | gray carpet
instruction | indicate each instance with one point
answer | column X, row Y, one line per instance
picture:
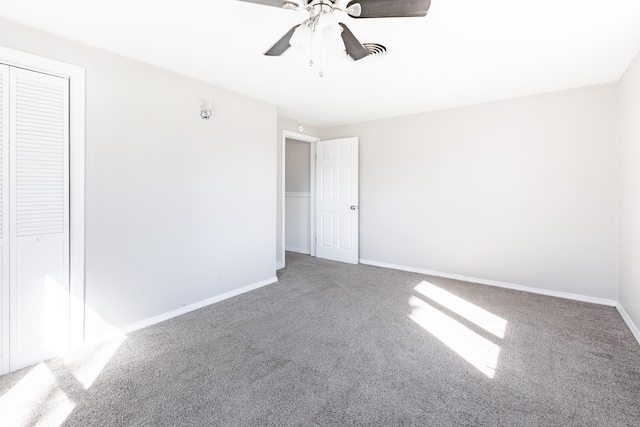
column 334, row 344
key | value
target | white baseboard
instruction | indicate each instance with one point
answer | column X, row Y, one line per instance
column 634, row 329
column 566, row 295
column 297, row 250
column 191, row 307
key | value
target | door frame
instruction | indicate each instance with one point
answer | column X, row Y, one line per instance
column 312, row 190
column 76, row 76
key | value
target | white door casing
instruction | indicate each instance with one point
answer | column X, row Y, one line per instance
column 76, row 155
column 4, row 217
column 39, row 217
column 337, row 218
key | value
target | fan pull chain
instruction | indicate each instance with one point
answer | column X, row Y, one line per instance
column 316, row 46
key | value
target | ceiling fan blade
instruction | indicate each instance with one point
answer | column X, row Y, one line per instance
column 274, row 3
column 351, row 43
column 283, row 44
column 389, row 8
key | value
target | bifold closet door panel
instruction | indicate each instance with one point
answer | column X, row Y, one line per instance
column 39, row 216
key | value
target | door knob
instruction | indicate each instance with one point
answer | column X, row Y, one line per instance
column 353, row 207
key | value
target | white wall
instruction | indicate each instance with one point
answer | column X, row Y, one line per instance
column 522, row 191
column 297, row 166
column 176, row 207
column 629, row 99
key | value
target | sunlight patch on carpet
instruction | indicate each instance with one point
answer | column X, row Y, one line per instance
column 479, row 316
column 86, row 366
column 36, row 401
column 475, row 349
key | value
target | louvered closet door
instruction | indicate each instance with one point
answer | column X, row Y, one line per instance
column 39, row 216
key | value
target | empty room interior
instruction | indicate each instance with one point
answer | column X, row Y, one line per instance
column 292, row 212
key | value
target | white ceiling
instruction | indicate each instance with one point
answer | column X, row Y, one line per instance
column 463, row 52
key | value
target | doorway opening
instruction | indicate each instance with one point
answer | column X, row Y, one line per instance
column 320, row 198
column 297, row 195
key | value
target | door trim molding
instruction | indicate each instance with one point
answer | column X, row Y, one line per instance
column 76, row 76
column 312, row 177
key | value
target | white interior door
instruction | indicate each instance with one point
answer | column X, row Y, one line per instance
column 337, row 218
column 39, row 217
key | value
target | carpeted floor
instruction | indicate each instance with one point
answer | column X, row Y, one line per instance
column 336, row 344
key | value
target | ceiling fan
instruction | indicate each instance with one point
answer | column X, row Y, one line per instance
column 321, row 17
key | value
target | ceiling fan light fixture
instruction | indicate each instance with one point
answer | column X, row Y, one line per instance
column 301, row 37
column 327, row 21
column 329, row 29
